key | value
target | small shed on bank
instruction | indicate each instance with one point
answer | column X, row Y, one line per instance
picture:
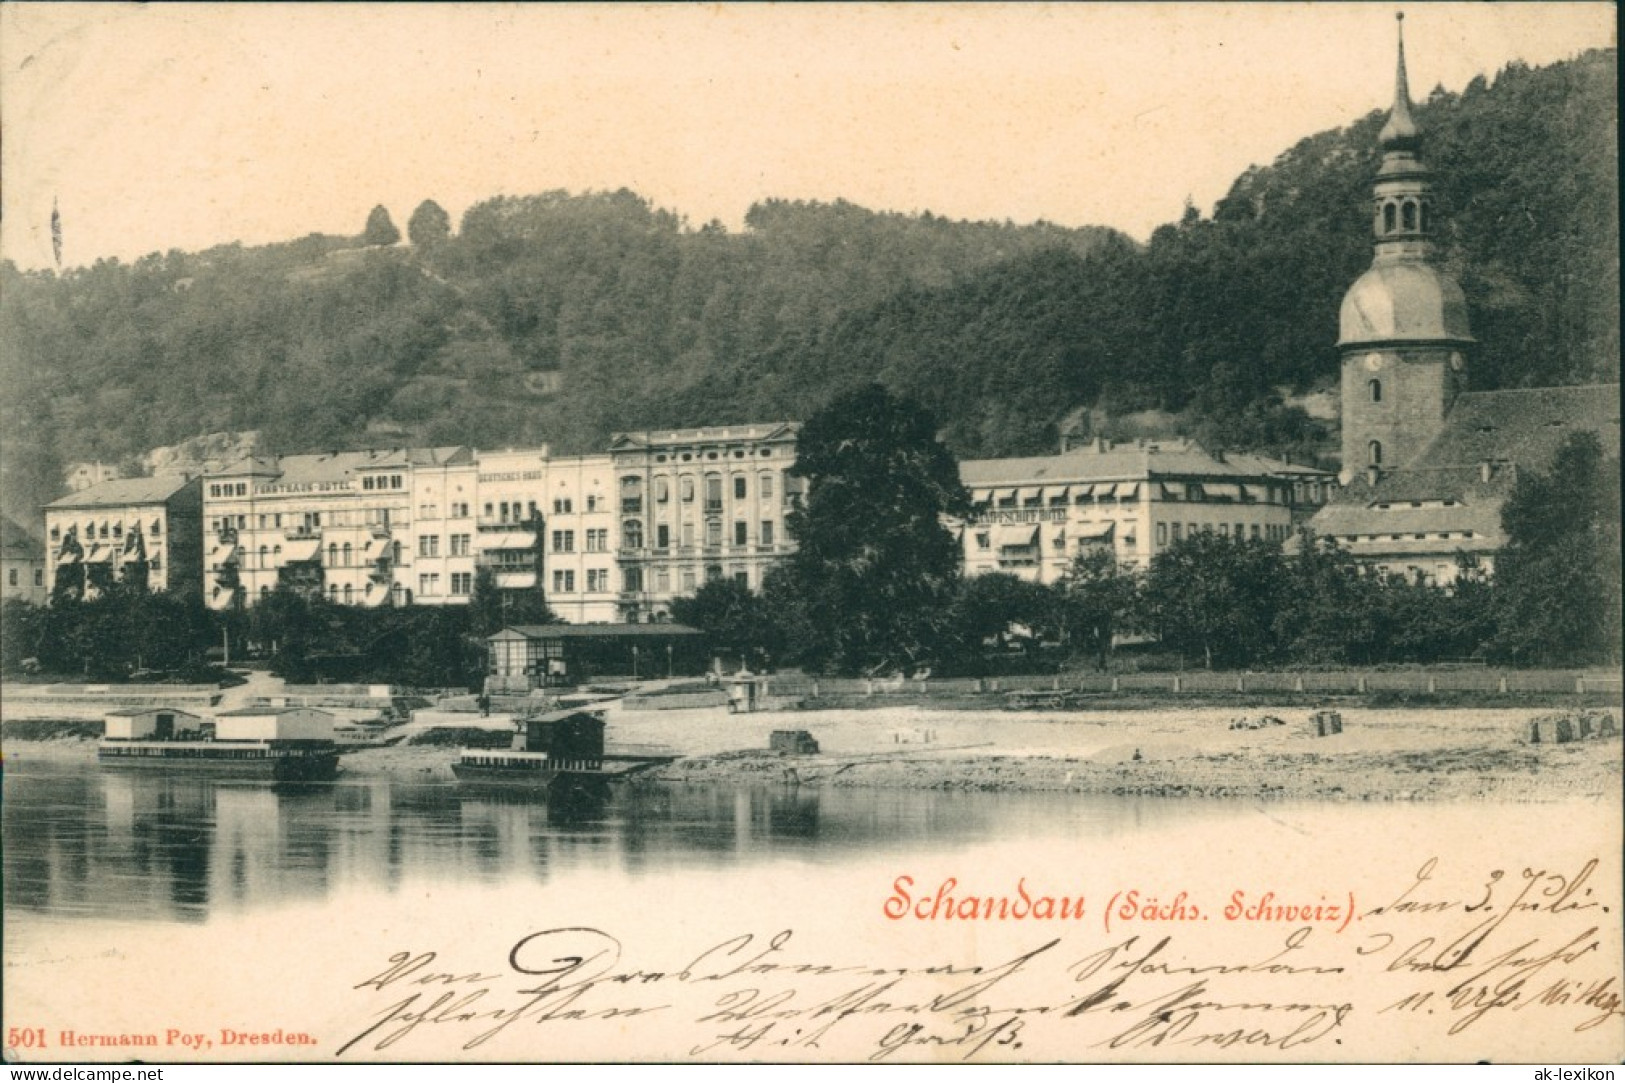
column 527, row 656
column 273, row 724
column 574, row 738
column 150, row 723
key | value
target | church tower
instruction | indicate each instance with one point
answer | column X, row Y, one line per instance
column 1404, row 335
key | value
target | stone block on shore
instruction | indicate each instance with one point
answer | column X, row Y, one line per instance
column 1325, row 723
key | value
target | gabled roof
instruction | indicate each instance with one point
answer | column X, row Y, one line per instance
column 123, row 491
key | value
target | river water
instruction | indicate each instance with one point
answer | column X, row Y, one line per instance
column 139, row 904
column 84, row 843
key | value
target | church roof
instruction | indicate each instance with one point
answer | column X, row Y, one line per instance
column 1460, row 480
column 1524, row 426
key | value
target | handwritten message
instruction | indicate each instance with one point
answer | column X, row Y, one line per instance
column 1049, row 973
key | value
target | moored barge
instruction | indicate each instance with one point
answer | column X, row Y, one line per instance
column 279, row 744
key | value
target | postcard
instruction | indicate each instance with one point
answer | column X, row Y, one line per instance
column 615, row 843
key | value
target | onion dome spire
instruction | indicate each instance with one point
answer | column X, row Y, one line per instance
column 1401, row 132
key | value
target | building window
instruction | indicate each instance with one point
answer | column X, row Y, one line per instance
column 488, row 512
column 739, row 487
column 592, row 501
column 1407, row 216
column 1255, row 532
column 662, row 490
column 767, row 532
column 598, row 540
column 597, row 580
column 564, row 541
column 662, row 581
column 662, row 536
column 631, row 493
column 428, row 511
column 1374, row 453
column 429, row 546
column 428, row 585
column 689, row 584
column 11, row 577
column 1176, row 532
column 461, row 545
column 742, row 577
column 349, row 594
column 685, row 486
column 561, row 505
column 1162, row 533
column 632, row 580
column 713, row 533
column 741, row 534
column 564, row 581
column 1388, row 217
column 713, row 492
column 462, row 583
column 764, row 485
column 632, row 534
column 984, row 542
column 688, row 534
column 39, row 574
column 332, row 554
column 1375, row 387
column 459, row 510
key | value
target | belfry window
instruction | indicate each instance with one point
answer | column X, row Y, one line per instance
column 1374, row 455
column 1375, row 387
column 1407, row 216
column 1387, row 217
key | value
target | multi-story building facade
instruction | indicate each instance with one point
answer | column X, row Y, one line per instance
column 22, row 564
column 1035, row 515
column 445, row 518
column 697, row 505
column 116, row 530
column 338, row 524
column 567, row 501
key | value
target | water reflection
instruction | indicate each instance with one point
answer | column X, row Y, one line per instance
column 81, row 842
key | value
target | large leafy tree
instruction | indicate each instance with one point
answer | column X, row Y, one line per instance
column 1096, row 598
column 429, row 225
column 1558, row 579
column 1216, row 597
column 380, row 229
column 735, row 620
column 876, row 564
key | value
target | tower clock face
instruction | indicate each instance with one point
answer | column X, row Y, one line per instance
column 1373, row 361
column 1457, row 361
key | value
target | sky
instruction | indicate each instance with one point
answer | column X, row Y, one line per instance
column 155, row 127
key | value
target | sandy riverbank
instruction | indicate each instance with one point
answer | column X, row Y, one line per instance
column 1399, row 754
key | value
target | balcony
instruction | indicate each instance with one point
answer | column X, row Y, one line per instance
column 486, row 526
column 631, row 505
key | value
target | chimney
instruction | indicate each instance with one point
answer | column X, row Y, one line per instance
column 1486, row 470
column 1102, row 444
column 1373, row 474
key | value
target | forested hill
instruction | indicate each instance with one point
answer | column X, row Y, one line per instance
column 560, row 318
